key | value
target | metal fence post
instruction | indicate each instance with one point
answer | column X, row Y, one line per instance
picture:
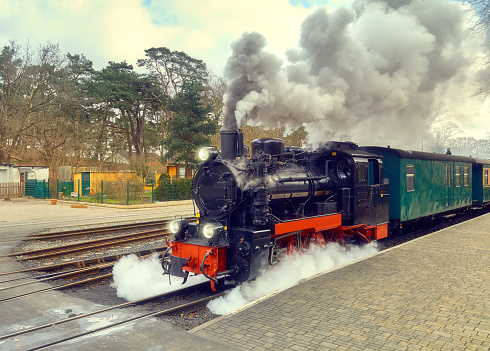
column 127, row 194
column 102, row 191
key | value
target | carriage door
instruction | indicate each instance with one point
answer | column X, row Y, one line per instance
column 85, row 183
column 449, row 185
column 374, row 181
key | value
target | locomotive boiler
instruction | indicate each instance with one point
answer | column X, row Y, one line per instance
column 254, row 209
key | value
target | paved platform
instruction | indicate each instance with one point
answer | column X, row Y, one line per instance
column 27, row 215
column 429, row 294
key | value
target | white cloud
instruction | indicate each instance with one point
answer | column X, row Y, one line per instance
column 112, row 30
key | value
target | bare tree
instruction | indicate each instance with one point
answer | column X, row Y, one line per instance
column 443, row 132
column 481, row 26
column 216, row 89
column 14, row 101
column 482, row 10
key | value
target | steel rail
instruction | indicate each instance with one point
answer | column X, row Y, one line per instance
column 65, row 275
column 75, row 272
column 147, row 315
column 69, row 285
column 87, row 245
column 85, row 231
column 122, row 305
column 79, row 264
column 89, row 231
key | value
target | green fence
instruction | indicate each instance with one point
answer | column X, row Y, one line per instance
column 37, row 188
column 126, row 192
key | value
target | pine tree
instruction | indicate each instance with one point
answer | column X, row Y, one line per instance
column 191, row 125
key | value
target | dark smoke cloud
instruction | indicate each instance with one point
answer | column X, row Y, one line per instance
column 371, row 71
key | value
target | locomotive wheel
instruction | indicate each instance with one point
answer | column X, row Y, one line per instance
column 243, row 270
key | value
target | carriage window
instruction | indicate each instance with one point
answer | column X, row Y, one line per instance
column 410, row 175
column 457, row 176
column 485, row 178
column 466, row 176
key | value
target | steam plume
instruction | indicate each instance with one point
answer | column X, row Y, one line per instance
column 370, row 71
column 136, row 278
column 289, row 271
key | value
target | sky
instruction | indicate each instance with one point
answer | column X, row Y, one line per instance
column 115, row 30
column 120, row 30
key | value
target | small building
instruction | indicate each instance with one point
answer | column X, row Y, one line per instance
column 28, row 180
column 90, row 182
column 38, row 173
column 118, row 157
column 177, row 170
column 10, row 185
column 9, row 173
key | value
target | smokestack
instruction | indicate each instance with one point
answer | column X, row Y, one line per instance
column 231, row 144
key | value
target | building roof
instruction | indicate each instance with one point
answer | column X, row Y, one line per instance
column 419, row 155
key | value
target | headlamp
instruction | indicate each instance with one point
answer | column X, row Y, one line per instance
column 177, row 226
column 207, row 153
column 211, row 230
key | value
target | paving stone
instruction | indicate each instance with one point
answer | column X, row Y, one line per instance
column 429, row 294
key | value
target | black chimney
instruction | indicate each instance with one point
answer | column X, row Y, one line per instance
column 231, row 144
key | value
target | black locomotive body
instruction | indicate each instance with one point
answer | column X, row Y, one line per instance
column 253, row 210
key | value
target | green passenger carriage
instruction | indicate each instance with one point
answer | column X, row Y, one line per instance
column 425, row 184
column 481, row 182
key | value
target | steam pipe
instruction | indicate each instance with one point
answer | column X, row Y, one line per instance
column 240, row 143
column 202, row 268
column 296, row 186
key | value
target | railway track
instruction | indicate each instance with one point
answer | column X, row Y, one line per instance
column 94, row 241
column 187, row 307
column 89, row 231
column 88, row 245
column 96, row 271
column 76, row 269
column 88, row 272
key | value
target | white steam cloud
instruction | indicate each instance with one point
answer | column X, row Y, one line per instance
column 289, row 271
column 373, row 72
column 136, row 278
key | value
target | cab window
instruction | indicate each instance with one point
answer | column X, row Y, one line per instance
column 361, row 173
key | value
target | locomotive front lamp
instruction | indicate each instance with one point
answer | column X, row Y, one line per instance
column 207, row 153
column 211, row 230
column 177, row 226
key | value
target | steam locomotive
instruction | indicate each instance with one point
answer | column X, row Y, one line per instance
column 254, row 209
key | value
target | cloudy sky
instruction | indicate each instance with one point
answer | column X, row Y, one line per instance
column 118, row 30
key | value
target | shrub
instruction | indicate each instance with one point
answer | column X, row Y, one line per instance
column 177, row 189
